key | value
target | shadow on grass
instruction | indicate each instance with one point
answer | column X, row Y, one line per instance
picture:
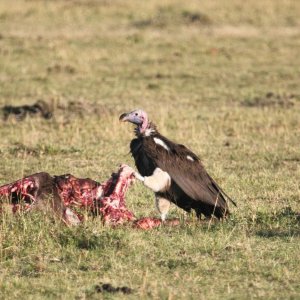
column 172, row 264
column 287, row 224
column 287, row 214
column 271, row 233
column 84, row 238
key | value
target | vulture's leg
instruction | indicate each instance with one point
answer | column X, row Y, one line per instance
column 163, row 206
column 160, row 181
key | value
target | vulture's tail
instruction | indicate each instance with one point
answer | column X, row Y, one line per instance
column 222, row 191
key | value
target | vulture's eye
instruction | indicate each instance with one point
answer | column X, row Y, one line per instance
column 136, row 114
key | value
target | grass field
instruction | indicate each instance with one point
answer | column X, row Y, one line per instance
column 222, row 77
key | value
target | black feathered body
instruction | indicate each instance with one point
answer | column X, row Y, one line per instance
column 191, row 186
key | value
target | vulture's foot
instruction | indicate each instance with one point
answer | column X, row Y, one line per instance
column 163, row 206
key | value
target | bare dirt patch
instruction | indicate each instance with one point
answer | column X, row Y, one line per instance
column 81, row 108
column 40, row 108
column 57, row 68
column 271, row 100
column 167, row 16
column 108, row 288
column 53, row 108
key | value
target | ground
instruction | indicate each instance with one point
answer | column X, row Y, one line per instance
column 220, row 77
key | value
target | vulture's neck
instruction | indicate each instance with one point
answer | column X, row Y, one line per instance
column 148, row 131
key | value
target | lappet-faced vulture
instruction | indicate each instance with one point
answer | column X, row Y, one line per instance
column 173, row 172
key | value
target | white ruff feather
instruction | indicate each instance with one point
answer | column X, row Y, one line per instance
column 161, row 143
column 149, row 131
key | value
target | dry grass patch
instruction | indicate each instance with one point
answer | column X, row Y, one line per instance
column 196, row 69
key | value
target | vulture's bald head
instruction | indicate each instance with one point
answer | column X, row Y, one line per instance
column 138, row 117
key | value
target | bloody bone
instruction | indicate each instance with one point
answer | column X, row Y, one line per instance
column 113, row 206
column 69, row 197
column 149, row 223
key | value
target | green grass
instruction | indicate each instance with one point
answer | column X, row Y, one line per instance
column 202, row 71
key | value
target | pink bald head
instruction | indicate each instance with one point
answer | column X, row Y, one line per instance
column 138, row 117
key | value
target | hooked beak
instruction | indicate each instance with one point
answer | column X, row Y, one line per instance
column 123, row 117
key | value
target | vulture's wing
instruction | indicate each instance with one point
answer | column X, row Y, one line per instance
column 186, row 169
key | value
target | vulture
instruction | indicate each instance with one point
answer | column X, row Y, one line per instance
column 173, row 172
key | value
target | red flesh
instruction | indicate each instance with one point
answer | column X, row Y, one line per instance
column 81, row 195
